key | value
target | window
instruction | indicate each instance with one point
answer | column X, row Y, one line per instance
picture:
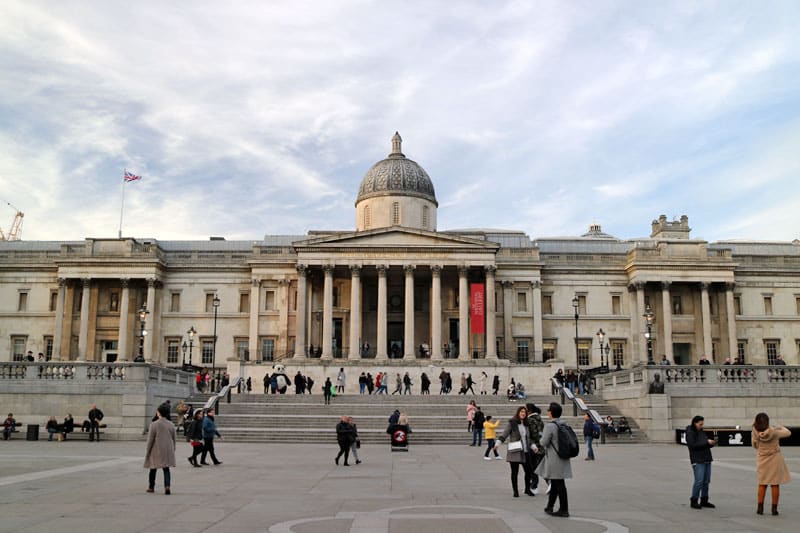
column 737, row 305
column 425, row 217
column 242, row 349
column 337, row 291
column 618, row 353
column 207, row 351
column 677, row 305
column 714, row 346
column 48, row 347
column 53, row 301
column 267, row 349
column 113, row 302
column 712, row 304
column 367, row 218
column 209, row 302
column 768, row 305
column 18, row 348
column 547, row 304
column 23, row 302
column 395, row 213
column 773, row 349
column 244, row 302
column 522, row 302
column 741, row 350
column 549, row 349
column 584, row 348
column 269, row 301
column 616, row 305
column 522, row 351
column 582, row 304
column 173, row 348
column 175, row 302
column 797, row 305
column 294, row 300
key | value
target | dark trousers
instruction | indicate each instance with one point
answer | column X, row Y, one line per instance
column 490, row 448
column 208, row 449
column 558, row 490
column 477, row 436
column 327, row 397
column 535, row 460
column 94, row 430
column 196, row 450
column 152, row 476
column 344, row 449
column 526, row 467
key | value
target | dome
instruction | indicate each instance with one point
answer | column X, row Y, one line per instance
column 396, row 176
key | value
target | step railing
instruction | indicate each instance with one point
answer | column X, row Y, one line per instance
column 213, row 401
column 579, row 405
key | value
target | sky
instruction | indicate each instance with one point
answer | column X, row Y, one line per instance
column 254, row 118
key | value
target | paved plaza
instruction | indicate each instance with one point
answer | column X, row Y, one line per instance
column 91, row 488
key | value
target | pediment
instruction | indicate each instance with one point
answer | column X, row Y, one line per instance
column 395, row 238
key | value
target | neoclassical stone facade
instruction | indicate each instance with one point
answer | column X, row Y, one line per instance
column 399, row 288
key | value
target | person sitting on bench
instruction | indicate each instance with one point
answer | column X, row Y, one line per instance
column 68, row 426
column 611, row 429
column 624, row 427
column 52, row 428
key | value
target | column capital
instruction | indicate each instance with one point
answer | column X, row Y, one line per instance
column 151, row 283
column 124, row 282
column 507, row 283
column 255, row 282
column 490, row 270
column 328, row 269
column 409, row 269
column 665, row 285
column 62, row 282
column 86, row 282
column 436, row 270
column 381, row 270
column 302, row 269
column 463, row 270
column 536, row 284
column 730, row 286
column 704, row 285
column 355, row 270
column 283, row 282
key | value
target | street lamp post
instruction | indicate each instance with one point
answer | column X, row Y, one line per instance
column 607, row 349
column 191, row 333
column 576, row 305
column 215, row 302
column 143, row 312
column 650, row 317
column 184, row 346
column 601, row 336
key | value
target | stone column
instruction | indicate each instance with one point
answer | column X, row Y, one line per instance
column 381, row 341
column 706, row 309
column 355, row 312
column 491, row 314
column 283, row 316
column 151, row 307
column 327, row 313
column 666, row 308
column 538, row 334
column 637, row 309
column 124, row 304
column 83, row 336
column 508, row 316
column 409, row 348
column 463, row 314
column 58, row 334
column 255, row 309
column 733, row 350
column 436, row 312
column 300, row 317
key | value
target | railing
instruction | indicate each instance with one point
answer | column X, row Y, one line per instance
column 91, row 371
column 702, row 374
column 213, row 401
column 578, row 405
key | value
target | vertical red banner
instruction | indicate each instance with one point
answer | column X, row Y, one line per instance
column 476, row 307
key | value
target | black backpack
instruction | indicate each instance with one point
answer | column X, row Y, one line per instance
column 567, row 442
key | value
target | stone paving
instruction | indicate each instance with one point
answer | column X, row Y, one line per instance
column 99, row 487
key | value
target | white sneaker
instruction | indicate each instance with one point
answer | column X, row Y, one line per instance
column 535, row 491
column 548, row 489
column 487, row 458
column 499, row 458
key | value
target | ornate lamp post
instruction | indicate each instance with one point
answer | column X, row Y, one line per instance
column 604, row 348
column 184, row 346
column 215, row 302
column 576, row 305
column 143, row 312
column 650, row 317
column 191, row 333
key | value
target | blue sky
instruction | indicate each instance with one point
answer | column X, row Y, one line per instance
column 253, row 118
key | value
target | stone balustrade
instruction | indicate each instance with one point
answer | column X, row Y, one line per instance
column 708, row 374
column 91, row 371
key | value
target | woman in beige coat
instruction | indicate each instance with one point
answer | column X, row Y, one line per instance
column 770, row 465
column 160, row 448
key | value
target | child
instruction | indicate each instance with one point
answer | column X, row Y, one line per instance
column 490, row 427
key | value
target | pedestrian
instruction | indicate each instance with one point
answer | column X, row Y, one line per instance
column 309, row 384
column 194, row 433
column 340, row 381
column 249, row 384
column 471, row 408
column 406, row 384
column 468, row 384
column 298, row 383
column 328, row 386
column 554, row 467
column 448, row 383
column 536, row 425
column 370, row 384
column 266, row 383
column 495, row 384
column 209, row 433
column 482, row 380
column 490, row 427
column 477, row 427
column 443, row 381
column 344, row 436
column 588, row 435
column 95, row 417
column 446, row 350
column 770, row 465
column 160, row 449
column 699, row 446
column 425, row 384
column 181, row 409
column 362, row 383
column 356, row 441
column 398, row 385
column 463, row 389
column 394, row 417
column 518, row 434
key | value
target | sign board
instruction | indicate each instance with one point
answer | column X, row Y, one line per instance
column 476, row 308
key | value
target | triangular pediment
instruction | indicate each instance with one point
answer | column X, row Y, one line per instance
column 395, row 237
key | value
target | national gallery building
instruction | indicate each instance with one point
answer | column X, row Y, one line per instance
column 397, row 287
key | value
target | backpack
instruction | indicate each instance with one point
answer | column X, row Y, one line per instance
column 595, row 431
column 567, row 441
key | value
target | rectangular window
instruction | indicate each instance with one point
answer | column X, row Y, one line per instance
column 549, row 349
column 18, row 348
column 269, row 301
column 677, row 304
column 53, row 301
column 207, row 351
column 244, row 302
column 616, row 305
column 797, row 305
column 582, row 304
column 741, row 350
column 294, row 300
column 113, row 302
column 242, row 349
column 23, row 302
column 425, row 217
column 618, row 353
column 209, row 302
column 768, row 305
column 48, row 347
column 522, row 302
column 547, row 304
column 267, row 349
column 737, row 305
column 522, row 351
column 173, row 349
column 395, row 213
column 175, row 302
column 773, row 349
column 583, row 353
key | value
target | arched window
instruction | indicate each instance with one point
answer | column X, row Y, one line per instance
column 395, row 213
column 367, row 220
column 425, row 217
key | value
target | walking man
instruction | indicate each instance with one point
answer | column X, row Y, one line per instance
column 344, row 436
column 477, row 427
column 554, row 467
column 588, row 436
column 209, row 432
column 95, row 417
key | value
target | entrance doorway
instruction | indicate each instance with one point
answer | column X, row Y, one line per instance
column 682, row 352
column 453, row 338
column 394, row 334
column 337, row 337
column 110, row 352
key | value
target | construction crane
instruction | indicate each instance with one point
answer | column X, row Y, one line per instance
column 15, row 233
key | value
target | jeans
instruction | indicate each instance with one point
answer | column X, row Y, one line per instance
column 702, row 478
column 580, row 387
column 52, row 432
column 490, row 448
column 363, row 387
column 152, row 477
column 589, row 449
column 477, row 437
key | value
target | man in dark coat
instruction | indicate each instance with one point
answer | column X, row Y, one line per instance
column 95, row 417
column 699, row 446
column 345, row 436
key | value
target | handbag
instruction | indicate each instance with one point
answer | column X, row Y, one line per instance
column 358, row 444
column 515, row 446
column 195, row 443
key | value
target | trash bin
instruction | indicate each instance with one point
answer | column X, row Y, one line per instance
column 33, row 432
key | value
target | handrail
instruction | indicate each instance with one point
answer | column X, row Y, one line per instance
column 213, row 402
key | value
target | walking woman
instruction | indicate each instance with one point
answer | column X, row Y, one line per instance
column 195, row 435
column 770, row 465
column 160, row 448
column 520, row 446
column 356, row 441
column 471, row 408
column 700, row 456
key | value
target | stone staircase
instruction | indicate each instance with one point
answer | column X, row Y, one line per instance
column 434, row 419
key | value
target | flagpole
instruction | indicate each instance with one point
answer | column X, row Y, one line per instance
column 122, row 206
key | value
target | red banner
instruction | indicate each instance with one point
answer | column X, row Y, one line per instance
column 476, row 307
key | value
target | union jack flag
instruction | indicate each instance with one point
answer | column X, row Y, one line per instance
column 130, row 176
